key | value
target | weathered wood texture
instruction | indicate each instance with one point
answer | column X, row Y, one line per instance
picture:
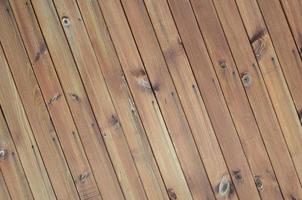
column 150, row 99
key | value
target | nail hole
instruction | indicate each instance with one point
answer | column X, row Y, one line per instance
column 3, row 154
column 222, row 64
column 65, row 21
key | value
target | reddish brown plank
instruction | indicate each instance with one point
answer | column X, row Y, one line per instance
column 260, row 101
column 90, row 134
column 145, row 100
column 123, row 101
column 100, row 100
column 22, row 134
column 11, row 168
column 291, row 65
column 4, row 193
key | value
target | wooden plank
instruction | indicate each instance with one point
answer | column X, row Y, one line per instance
column 11, row 168
column 293, row 14
column 291, row 65
column 123, row 101
column 22, row 134
column 183, row 78
column 90, row 134
column 260, row 101
column 100, row 100
column 292, row 11
column 240, row 107
column 213, row 98
column 271, row 71
column 170, row 105
column 235, row 95
column 145, row 101
column 61, row 118
column 4, row 193
column 286, row 49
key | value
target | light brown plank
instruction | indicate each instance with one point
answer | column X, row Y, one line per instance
column 145, row 100
column 79, row 103
column 162, row 85
column 11, row 168
column 293, row 76
column 4, row 193
column 239, row 106
column 123, row 101
column 214, row 100
column 235, row 95
column 100, row 100
column 183, row 78
column 22, row 134
column 292, row 11
column 259, row 100
column 272, row 74
column 61, row 118
column 90, row 134
column 286, row 48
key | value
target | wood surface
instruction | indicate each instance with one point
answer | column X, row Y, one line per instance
column 150, row 99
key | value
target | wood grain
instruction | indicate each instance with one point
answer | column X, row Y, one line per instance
column 150, row 99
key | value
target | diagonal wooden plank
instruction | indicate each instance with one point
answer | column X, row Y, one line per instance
column 61, row 118
column 271, row 72
column 90, row 134
column 292, row 11
column 170, row 105
column 100, row 99
column 285, row 48
column 211, row 92
column 259, row 100
column 11, row 168
column 236, row 97
column 291, row 65
column 22, row 134
column 145, row 101
column 122, row 99
column 183, row 78
column 4, row 193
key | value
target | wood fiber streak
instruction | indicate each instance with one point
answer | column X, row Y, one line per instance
column 150, row 99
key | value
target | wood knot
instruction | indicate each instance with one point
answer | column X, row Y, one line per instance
column 172, row 194
column 65, row 21
column 258, row 182
column 3, row 154
column 74, row 97
column 54, row 98
column 259, row 43
column 83, row 177
column 237, row 175
column 42, row 49
column 222, row 64
column 114, row 120
column 144, row 84
column 246, row 79
column 224, row 187
column 292, row 197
